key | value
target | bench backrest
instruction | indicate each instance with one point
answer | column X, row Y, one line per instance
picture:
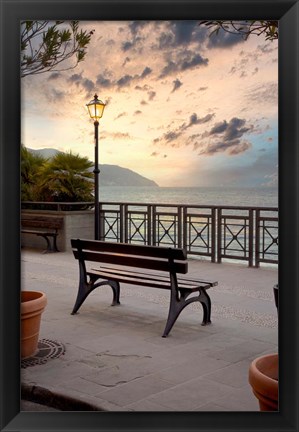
column 41, row 222
column 130, row 255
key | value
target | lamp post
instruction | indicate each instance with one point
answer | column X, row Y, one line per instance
column 96, row 110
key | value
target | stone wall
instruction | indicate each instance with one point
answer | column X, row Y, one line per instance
column 76, row 224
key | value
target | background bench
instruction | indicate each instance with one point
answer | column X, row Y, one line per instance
column 122, row 263
column 43, row 226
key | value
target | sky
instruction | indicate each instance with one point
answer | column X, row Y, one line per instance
column 183, row 108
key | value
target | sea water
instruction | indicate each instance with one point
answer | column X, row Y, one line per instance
column 232, row 196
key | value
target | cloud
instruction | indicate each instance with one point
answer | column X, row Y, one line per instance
column 183, row 61
column 124, row 81
column 268, row 48
column 156, row 154
column 230, row 147
column 151, row 95
column 127, row 60
column 219, row 128
column 225, row 137
column 116, row 135
column 193, row 61
column 88, row 85
column 54, row 76
column 224, row 39
column 147, row 71
column 145, row 87
column 174, row 135
column 232, row 130
column 263, row 93
column 102, row 81
column 135, row 28
column 176, row 85
column 180, row 33
column 56, row 95
column 121, row 115
column 195, row 120
column 82, row 82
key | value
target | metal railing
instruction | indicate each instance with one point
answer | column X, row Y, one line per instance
column 219, row 233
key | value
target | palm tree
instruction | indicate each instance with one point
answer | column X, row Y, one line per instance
column 31, row 168
column 67, row 177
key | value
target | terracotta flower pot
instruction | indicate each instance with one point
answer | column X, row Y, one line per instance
column 263, row 378
column 33, row 304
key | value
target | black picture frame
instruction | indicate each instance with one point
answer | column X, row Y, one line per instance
column 11, row 12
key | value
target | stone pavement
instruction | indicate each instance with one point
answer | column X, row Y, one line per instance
column 115, row 358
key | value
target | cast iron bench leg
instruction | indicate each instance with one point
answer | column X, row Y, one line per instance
column 55, row 243
column 205, row 301
column 86, row 289
column 50, row 248
column 116, row 290
column 177, row 305
column 175, row 308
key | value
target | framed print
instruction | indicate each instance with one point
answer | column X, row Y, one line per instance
column 139, row 12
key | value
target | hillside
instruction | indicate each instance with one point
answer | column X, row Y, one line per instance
column 110, row 175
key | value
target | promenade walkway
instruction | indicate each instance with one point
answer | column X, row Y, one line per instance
column 115, row 358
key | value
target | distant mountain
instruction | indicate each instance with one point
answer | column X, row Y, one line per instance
column 114, row 175
column 110, row 175
column 46, row 152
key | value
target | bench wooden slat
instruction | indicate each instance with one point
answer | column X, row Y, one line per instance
column 42, row 222
column 147, row 280
column 182, row 282
column 37, row 232
column 131, row 279
column 130, row 249
column 132, row 261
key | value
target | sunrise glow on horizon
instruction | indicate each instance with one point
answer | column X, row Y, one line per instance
column 182, row 108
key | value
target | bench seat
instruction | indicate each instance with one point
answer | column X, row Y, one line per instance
column 43, row 226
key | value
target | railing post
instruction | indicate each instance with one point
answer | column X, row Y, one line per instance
column 154, row 226
column 257, row 237
column 184, row 230
column 219, row 234
column 250, row 240
column 213, row 235
column 149, row 225
column 125, row 223
column 122, row 224
column 101, row 222
column 180, row 227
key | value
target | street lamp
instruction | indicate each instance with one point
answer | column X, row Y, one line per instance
column 96, row 110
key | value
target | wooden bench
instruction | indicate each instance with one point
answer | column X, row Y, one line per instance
column 120, row 263
column 43, row 226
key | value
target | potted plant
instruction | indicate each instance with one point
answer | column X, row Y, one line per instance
column 33, row 304
column 263, row 376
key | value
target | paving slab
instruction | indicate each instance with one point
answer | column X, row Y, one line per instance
column 115, row 358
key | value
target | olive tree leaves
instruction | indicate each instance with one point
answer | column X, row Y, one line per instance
column 45, row 45
column 245, row 28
